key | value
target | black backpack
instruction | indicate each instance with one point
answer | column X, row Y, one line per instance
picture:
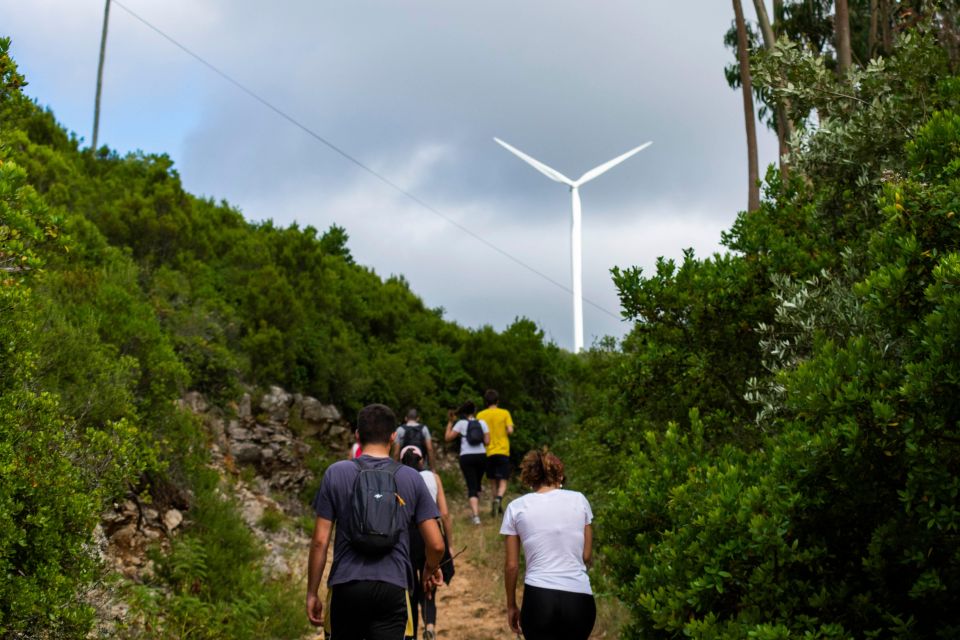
column 413, row 435
column 474, row 432
column 377, row 512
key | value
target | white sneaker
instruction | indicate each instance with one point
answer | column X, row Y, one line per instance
column 476, row 520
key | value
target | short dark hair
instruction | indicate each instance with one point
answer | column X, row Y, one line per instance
column 375, row 423
column 413, row 414
column 491, row 397
column 467, row 409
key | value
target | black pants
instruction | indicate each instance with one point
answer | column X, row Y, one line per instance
column 549, row 614
column 473, row 466
column 368, row 610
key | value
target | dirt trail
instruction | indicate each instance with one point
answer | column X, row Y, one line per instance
column 472, row 607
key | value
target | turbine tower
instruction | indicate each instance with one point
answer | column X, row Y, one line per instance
column 575, row 241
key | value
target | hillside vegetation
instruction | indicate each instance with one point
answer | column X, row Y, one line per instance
column 120, row 291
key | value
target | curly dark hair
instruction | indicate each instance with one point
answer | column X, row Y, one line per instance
column 541, row 468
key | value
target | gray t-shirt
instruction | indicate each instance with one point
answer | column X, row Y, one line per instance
column 333, row 502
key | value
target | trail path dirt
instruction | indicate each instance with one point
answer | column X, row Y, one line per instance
column 473, row 607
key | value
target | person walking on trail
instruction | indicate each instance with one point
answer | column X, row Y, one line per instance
column 553, row 526
column 412, row 432
column 474, row 437
column 373, row 501
column 498, row 453
column 413, row 457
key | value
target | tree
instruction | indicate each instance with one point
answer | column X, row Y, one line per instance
column 841, row 20
column 784, row 124
column 743, row 55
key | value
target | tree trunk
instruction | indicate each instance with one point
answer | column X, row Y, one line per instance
column 841, row 27
column 784, row 124
column 886, row 28
column 743, row 56
column 874, row 26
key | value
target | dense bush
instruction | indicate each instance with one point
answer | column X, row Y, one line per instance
column 829, row 506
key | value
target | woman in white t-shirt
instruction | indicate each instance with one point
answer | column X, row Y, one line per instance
column 473, row 451
column 553, row 526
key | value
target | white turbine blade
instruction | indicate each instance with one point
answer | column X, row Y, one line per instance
column 551, row 173
column 596, row 171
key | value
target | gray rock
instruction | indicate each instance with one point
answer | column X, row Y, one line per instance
column 195, row 402
column 316, row 411
column 338, row 431
column 237, row 433
column 246, row 452
column 244, row 412
column 276, row 404
column 172, row 519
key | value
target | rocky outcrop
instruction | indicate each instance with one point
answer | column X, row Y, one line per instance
column 259, row 447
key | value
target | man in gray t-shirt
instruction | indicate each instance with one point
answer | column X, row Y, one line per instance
column 369, row 592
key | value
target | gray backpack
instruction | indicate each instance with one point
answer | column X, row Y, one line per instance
column 377, row 510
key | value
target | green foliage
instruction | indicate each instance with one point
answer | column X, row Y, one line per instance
column 829, row 507
column 214, row 584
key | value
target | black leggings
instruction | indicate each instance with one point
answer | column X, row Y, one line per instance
column 473, row 466
column 418, row 599
column 550, row 614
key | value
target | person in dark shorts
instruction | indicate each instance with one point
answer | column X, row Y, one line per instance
column 473, row 457
column 498, row 452
column 553, row 526
column 369, row 594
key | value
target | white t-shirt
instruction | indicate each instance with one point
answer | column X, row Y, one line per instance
column 465, row 447
column 431, row 481
column 550, row 526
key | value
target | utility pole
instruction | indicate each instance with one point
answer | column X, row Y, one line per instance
column 103, row 52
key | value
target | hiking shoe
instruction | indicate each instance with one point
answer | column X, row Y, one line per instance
column 499, row 505
column 429, row 635
column 476, row 520
column 493, row 508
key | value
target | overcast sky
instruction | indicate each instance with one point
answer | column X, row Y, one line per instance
column 416, row 90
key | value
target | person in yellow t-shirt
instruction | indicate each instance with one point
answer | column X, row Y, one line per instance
column 498, row 451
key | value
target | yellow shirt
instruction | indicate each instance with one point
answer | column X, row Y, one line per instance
column 498, row 420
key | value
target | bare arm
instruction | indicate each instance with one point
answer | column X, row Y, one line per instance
column 429, row 446
column 316, row 563
column 444, row 513
column 450, row 434
column 511, row 569
column 588, row 545
column 433, row 545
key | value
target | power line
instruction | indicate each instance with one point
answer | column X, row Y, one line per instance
column 319, row 138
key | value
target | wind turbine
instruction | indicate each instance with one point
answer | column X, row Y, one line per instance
column 575, row 241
